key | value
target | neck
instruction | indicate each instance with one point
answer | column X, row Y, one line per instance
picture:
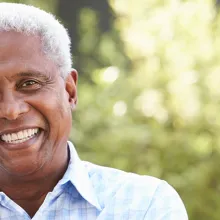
column 25, row 188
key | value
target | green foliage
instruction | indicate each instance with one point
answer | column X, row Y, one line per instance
column 149, row 95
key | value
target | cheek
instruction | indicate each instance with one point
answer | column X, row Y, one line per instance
column 54, row 107
column 57, row 112
column 63, row 107
column 52, row 104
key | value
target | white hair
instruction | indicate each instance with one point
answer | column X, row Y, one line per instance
column 34, row 21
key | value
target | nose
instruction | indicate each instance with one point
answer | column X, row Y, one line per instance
column 11, row 107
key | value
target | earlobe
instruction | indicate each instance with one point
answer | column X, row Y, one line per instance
column 71, row 88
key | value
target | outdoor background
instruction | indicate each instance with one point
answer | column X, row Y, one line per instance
column 149, row 90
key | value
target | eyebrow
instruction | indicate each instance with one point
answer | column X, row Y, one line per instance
column 32, row 73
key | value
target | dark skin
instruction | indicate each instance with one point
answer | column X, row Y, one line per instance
column 33, row 95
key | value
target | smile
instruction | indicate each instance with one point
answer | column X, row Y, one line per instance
column 19, row 137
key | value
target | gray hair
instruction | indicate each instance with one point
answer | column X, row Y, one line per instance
column 34, row 21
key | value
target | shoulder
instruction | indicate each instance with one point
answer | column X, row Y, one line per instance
column 133, row 193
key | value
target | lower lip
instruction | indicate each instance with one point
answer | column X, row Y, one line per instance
column 26, row 144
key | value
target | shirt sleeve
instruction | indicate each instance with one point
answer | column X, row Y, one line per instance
column 166, row 204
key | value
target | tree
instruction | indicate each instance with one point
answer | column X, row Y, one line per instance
column 69, row 11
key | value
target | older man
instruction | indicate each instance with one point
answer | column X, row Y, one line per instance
column 41, row 175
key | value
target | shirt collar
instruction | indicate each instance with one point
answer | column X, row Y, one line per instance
column 77, row 174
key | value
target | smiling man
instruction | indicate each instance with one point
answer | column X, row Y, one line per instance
column 41, row 175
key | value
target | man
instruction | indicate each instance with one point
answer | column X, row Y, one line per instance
column 41, row 175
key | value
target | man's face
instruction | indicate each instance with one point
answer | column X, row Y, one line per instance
column 35, row 106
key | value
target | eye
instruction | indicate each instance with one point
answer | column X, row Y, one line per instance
column 29, row 83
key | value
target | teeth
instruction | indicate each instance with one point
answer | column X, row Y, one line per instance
column 9, row 137
column 14, row 136
column 30, row 132
column 20, row 136
column 25, row 133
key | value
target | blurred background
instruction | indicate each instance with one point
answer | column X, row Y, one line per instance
column 149, row 90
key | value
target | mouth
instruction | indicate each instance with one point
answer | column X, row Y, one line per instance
column 20, row 136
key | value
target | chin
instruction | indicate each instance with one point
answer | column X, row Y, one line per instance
column 23, row 170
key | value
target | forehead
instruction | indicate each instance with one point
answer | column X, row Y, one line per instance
column 19, row 52
column 19, row 45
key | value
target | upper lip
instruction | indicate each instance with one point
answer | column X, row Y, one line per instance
column 15, row 130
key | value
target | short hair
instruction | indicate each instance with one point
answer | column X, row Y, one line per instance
column 34, row 21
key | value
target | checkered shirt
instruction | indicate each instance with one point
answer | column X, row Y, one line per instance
column 91, row 192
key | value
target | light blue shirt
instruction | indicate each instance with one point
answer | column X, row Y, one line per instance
column 89, row 192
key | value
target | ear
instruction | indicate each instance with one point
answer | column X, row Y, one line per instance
column 71, row 88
